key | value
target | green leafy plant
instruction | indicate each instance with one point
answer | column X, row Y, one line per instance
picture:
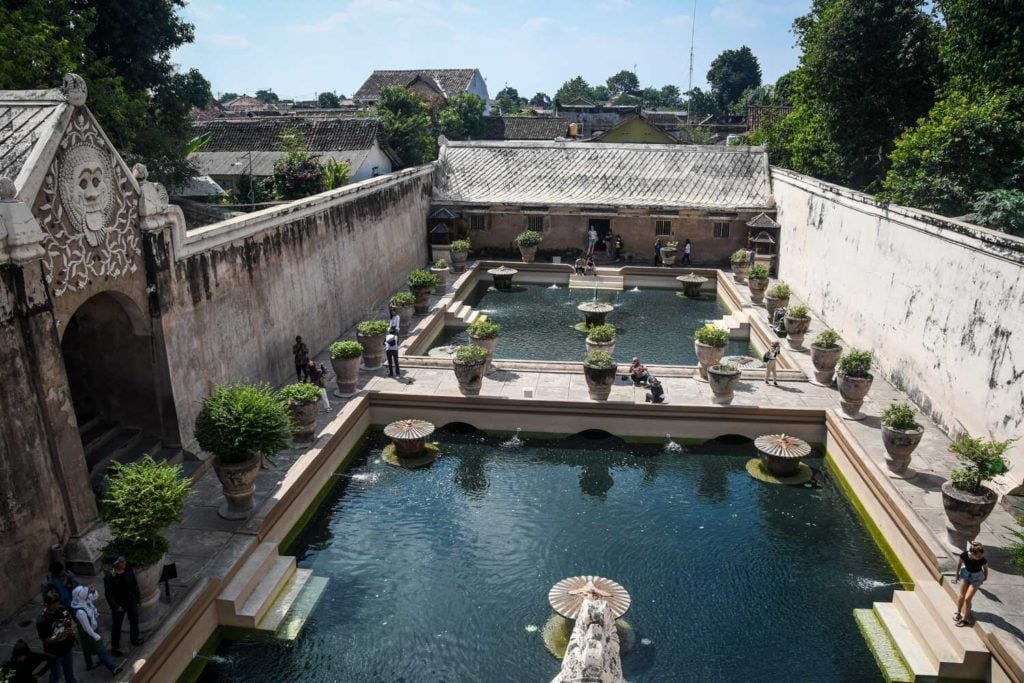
column 371, row 328
column 440, row 263
column 712, row 335
column 758, row 271
column 346, row 349
column 144, row 498
column 779, row 290
column 982, row 461
column 855, row 363
column 726, row 368
column 601, row 334
column 599, row 359
column 240, row 420
column 420, row 279
column 1016, row 547
column 403, row 299
column 483, row 328
column 826, row 339
column 336, row 174
column 529, row 238
column 470, row 354
column 740, row 256
column 300, row 393
column 900, row 415
column 461, row 246
column 798, row 311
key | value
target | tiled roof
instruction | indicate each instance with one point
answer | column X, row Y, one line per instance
column 262, row 163
column 575, row 173
column 523, row 128
column 763, row 220
column 27, row 118
column 450, row 81
column 263, row 134
column 760, row 115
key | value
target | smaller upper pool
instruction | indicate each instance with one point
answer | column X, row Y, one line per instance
column 537, row 322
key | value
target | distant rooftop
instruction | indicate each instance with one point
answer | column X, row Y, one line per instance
column 524, row 128
column 449, row 81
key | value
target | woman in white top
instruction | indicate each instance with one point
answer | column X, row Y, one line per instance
column 89, row 629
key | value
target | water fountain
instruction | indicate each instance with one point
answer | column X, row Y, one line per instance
column 671, row 446
column 502, row 277
column 780, row 456
column 409, row 447
column 692, row 284
column 596, row 605
column 515, row 441
column 595, row 312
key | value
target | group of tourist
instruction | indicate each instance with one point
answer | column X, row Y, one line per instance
column 612, row 246
column 641, row 376
column 687, row 251
column 307, row 370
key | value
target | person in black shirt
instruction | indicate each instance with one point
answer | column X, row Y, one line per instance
column 656, row 393
column 56, row 629
column 24, row 664
column 301, row 353
column 972, row 567
column 121, row 589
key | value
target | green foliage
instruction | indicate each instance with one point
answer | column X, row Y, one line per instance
column 826, row 339
column 470, row 354
column 669, row 97
column 855, row 363
column 779, row 290
column 700, row 104
column 252, row 190
column 370, row 328
column 508, row 100
column 540, row 100
column 601, row 334
column 712, row 335
column 900, row 415
column 982, row 461
column 529, row 238
column 300, row 393
column 227, row 97
column 461, row 246
column 1016, row 547
column 240, row 420
column 440, row 264
column 297, row 174
column 406, row 121
column 599, row 359
column 327, row 100
column 144, row 498
column 422, row 279
column 346, row 349
column 403, row 299
column 798, row 311
column 267, row 96
column 731, row 73
column 573, row 89
column 740, row 256
column 983, row 44
column 599, row 94
column 727, row 368
column 462, row 118
column 1001, row 210
column 336, row 173
column 758, row 271
column 623, row 83
column 483, row 328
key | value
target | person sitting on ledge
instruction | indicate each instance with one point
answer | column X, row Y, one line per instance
column 591, row 266
column 580, row 266
column 638, row 372
column 656, row 393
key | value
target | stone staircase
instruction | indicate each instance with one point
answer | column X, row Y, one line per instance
column 919, row 627
column 270, row 594
column 613, row 283
column 737, row 324
column 106, row 442
column 459, row 314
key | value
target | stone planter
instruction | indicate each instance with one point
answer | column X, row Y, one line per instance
column 442, row 276
column 966, row 511
column 148, row 578
column 599, row 381
column 346, row 375
column 487, row 345
column 757, row 289
column 824, row 361
column 458, row 261
column 607, row 347
column 706, row 357
column 373, row 350
column 470, row 376
column 528, row 253
column 739, row 271
column 238, row 479
column 852, row 391
column 668, row 256
column 723, row 385
column 441, row 251
column 422, row 305
column 900, row 444
column 773, row 302
column 404, row 317
column 796, row 328
column 303, row 421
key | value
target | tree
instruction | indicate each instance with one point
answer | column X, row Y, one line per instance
column 508, row 100
column 1001, row 210
column 669, row 97
column 573, row 89
column 700, row 104
column 227, row 97
column 405, row 119
column 297, row 174
column 540, row 100
column 462, row 118
column 600, row 93
column 267, row 96
column 623, row 83
column 731, row 73
column 627, row 99
column 651, row 97
column 327, row 100
column 983, row 44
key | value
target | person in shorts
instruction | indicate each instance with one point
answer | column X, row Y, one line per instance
column 972, row 569
column 771, row 359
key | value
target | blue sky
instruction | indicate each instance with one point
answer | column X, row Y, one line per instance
column 302, row 47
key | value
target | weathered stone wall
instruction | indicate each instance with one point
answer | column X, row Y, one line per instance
column 237, row 293
column 940, row 302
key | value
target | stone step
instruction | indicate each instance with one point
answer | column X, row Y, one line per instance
column 302, row 608
column 973, row 655
column 930, row 633
column 265, row 593
column 912, row 650
column 105, row 448
column 884, row 650
column 95, row 432
column 240, row 587
column 277, row 613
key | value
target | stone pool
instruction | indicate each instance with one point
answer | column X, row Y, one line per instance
column 442, row 574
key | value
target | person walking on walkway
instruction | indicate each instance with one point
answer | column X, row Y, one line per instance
column 122, row 591
column 771, row 359
column 394, row 320
column 301, row 354
column 686, row 253
column 620, row 244
column 657, row 252
column 56, row 628
column 972, row 567
column 89, row 636
column 391, row 351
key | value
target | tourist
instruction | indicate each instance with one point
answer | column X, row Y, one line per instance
column 391, row 351
column 972, row 567
column 608, row 248
column 751, row 254
column 60, row 581
column 121, row 589
column 619, row 246
column 395, row 319
column 24, row 666
column 657, row 252
column 580, row 266
column 591, row 266
column 591, row 240
column 638, row 372
column 301, row 354
column 56, row 630
column 656, row 393
column 89, row 629
column 317, row 375
column 686, row 253
column 771, row 359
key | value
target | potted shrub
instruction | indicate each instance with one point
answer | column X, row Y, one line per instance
column 302, row 399
column 528, row 240
column 370, row 333
column 965, row 498
column 777, row 296
column 709, row 345
column 470, row 363
column 403, row 303
column 460, row 251
column 345, row 356
column 825, row 350
column 900, row 435
column 723, row 378
column 757, row 282
column 421, row 283
column 237, row 423
column 740, row 262
column 143, row 499
column 853, row 375
column 599, row 370
column 668, row 253
column 601, row 338
column 440, row 271
column 798, row 321
column 484, row 333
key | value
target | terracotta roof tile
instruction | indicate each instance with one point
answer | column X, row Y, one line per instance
column 263, row 134
column 524, row 128
column 450, row 81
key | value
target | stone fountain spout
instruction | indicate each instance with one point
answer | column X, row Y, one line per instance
column 593, row 652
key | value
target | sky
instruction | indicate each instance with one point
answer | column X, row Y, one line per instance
column 302, row 47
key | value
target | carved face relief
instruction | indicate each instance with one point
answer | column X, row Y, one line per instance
column 86, row 190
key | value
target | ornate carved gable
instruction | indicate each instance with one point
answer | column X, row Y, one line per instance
column 88, row 210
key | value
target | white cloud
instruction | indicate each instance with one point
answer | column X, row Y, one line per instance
column 538, row 24
column 676, row 21
column 328, row 23
column 228, row 40
column 613, row 5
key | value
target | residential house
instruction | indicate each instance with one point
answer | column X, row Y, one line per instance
column 524, row 128
column 637, row 129
column 433, row 85
column 592, row 118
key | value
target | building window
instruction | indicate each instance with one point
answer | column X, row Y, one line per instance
column 721, row 231
column 662, row 228
column 535, row 223
column 477, row 222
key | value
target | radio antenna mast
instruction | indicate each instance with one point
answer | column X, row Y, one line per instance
column 693, row 29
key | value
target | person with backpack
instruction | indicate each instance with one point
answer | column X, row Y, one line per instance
column 391, row 351
column 56, row 629
column 770, row 358
column 88, row 618
column 317, row 375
